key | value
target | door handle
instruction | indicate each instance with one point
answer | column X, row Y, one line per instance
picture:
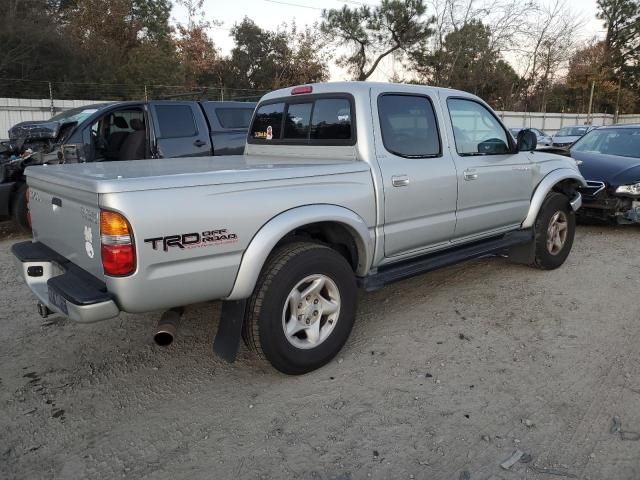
column 199, row 143
column 400, row 180
column 470, row 175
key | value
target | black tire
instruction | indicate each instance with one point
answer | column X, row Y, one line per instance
column 263, row 330
column 554, row 203
column 20, row 208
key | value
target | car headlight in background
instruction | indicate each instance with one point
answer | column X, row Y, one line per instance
column 633, row 189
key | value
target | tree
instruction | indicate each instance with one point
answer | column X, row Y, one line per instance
column 197, row 54
column 265, row 60
column 373, row 33
column 550, row 45
column 32, row 47
column 622, row 42
column 466, row 61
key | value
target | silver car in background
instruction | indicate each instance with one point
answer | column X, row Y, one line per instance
column 567, row 136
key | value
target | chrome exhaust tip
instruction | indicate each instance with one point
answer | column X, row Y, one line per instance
column 168, row 327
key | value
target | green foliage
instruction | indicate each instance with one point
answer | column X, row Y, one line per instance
column 263, row 59
column 467, row 61
column 622, row 42
column 373, row 33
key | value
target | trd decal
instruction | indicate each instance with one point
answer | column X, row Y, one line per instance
column 207, row 238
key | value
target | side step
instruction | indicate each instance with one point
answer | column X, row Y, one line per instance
column 427, row 263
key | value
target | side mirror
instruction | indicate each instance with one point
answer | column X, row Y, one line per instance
column 526, row 141
column 493, row 146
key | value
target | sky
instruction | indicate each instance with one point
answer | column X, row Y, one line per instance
column 271, row 13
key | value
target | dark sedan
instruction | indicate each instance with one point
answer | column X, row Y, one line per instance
column 609, row 159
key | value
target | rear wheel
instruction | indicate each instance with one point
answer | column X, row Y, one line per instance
column 555, row 229
column 302, row 309
column 20, row 208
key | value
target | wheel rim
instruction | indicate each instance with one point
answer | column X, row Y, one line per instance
column 557, row 232
column 311, row 311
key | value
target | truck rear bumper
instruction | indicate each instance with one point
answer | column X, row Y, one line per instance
column 63, row 286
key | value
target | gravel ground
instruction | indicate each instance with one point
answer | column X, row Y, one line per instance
column 444, row 374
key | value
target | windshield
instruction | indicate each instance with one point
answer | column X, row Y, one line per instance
column 572, row 131
column 624, row 142
column 74, row 115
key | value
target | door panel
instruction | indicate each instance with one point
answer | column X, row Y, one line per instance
column 419, row 177
column 494, row 182
column 180, row 129
column 494, row 192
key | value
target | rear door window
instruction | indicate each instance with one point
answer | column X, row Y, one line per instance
column 408, row 125
column 175, row 121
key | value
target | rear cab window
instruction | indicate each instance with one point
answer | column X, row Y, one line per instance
column 323, row 119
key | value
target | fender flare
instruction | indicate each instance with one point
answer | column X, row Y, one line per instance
column 545, row 186
column 274, row 230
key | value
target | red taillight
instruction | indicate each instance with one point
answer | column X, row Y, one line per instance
column 118, row 260
column 117, row 246
column 301, row 90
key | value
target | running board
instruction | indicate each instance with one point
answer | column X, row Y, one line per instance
column 427, row 263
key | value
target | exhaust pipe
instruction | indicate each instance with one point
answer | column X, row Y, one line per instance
column 168, row 326
column 43, row 310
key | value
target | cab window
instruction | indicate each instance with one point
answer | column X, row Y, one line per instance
column 475, row 129
column 408, row 125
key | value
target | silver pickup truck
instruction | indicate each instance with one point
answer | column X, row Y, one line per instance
column 342, row 185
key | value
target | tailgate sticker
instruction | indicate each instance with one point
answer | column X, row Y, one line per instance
column 88, row 241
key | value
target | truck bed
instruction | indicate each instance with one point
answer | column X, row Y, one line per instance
column 168, row 198
column 135, row 175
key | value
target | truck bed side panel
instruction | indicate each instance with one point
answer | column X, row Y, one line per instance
column 189, row 241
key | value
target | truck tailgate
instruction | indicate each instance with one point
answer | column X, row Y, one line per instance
column 67, row 221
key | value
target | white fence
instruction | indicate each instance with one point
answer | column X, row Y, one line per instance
column 15, row 110
column 552, row 122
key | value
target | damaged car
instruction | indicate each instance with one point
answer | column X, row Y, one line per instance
column 115, row 131
column 609, row 159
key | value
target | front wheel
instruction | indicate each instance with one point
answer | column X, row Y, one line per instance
column 302, row 309
column 555, row 229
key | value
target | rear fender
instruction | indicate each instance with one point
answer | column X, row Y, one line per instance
column 279, row 226
column 546, row 186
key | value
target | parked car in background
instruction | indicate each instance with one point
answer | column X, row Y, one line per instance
column 566, row 136
column 544, row 140
column 342, row 185
column 119, row 131
column 609, row 159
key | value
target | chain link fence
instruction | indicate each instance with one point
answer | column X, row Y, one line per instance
column 19, row 88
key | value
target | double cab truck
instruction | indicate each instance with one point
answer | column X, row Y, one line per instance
column 119, row 131
column 341, row 186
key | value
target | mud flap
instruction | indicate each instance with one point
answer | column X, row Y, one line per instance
column 227, row 341
column 524, row 253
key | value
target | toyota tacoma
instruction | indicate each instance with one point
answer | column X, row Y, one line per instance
column 341, row 186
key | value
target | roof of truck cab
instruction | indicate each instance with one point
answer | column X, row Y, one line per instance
column 359, row 87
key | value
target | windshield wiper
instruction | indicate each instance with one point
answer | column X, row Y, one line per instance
column 473, row 154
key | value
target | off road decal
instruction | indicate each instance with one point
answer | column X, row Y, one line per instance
column 208, row 238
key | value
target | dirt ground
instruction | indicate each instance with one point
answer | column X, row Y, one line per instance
column 444, row 374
